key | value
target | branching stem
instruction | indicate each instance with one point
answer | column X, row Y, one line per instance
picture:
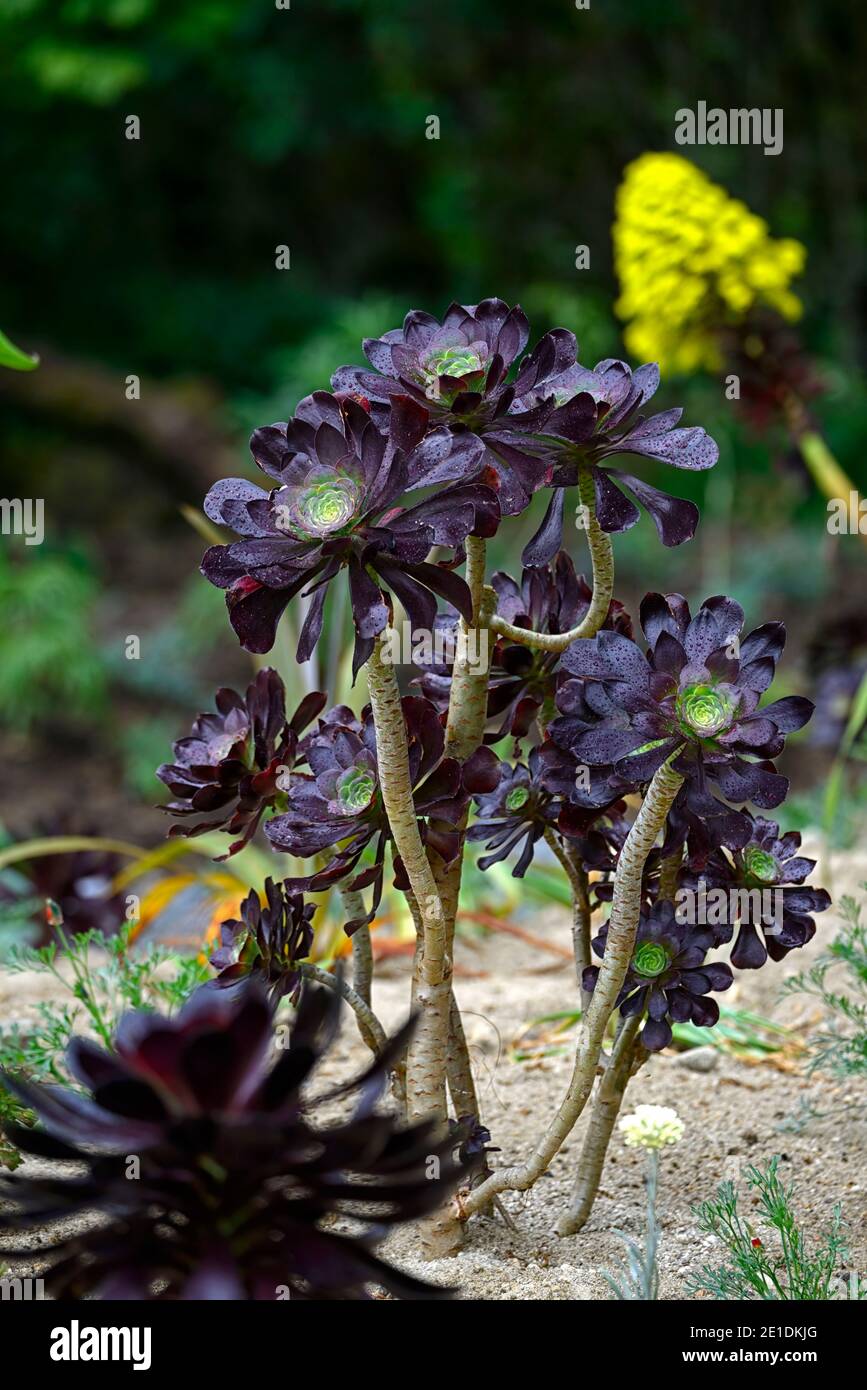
column 362, row 951
column 369, row 1025
column 625, row 1058
column 602, row 558
column 622, row 926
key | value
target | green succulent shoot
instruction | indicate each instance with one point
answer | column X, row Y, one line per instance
column 704, row 711
column 759, row 865
column 461, row 362
column 356, row 790
column 323, row 506
column 650, row 960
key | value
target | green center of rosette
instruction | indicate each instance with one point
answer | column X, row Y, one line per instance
column 704, row 711
column 453, row 361
column 759, row 864
column 356, row 789
column 650, row 960
column 324, row 507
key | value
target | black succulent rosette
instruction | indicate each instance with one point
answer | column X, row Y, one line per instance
column 763, row 896
column 338, row 505
column 228, row 769
column 475, row 1143
column 267, row 941
column 520, row 809
column 668, row 976
column 517, row 812
column 441, row 364
column 338, row 805
column 459, row 370
column 700, row 822
column 693, row 697
column 523, row 681
column 239, row 1180
column 596, row 416
column 576, row 781
column 550, row 599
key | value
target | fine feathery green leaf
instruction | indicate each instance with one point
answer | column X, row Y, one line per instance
column 778, row 1264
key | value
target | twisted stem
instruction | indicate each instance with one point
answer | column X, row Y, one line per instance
column 397, row 795
column 625, row 1058
column 442, row 1050
column 368, row 1024
column 602, row 559
column 362, row 951
column 622, row 926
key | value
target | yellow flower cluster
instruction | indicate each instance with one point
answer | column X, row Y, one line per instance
column 692, row 260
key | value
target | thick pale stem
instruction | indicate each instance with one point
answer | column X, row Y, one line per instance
column 425, row 1077
column 606, row 1107
column 462, row 1087
column 468, row 698
column 438, row 1049
column 362, row 951
column 362, row 962
column 468, row 704
column 581, row 914
column 609, row 1093
column 602, row 558
column 369, row 1025
column 622, row 926
column 394, row 778
column 668, row 872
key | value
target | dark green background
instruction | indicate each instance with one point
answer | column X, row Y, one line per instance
column 306, row 127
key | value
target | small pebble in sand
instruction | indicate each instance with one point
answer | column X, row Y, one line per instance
column 698, row 1059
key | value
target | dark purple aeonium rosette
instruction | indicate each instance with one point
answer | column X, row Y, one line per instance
column 338, row 805
column 268, row 941
column 520, row 809
column 596, row 415
column 567, row 776
column 459, row 370
column 338, row 504
column 759, row 888
column 523, row 680
column 699, row 821
column 475, row 1143
column 694, row 698
column 668, row 975
column 228, row 769
column 239, row 1180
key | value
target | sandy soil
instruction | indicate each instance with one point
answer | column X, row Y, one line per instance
column 733, row 1115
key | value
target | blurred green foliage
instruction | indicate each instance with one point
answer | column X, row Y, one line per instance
column 58, row 668
column 49, row 664
column 306, row 126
